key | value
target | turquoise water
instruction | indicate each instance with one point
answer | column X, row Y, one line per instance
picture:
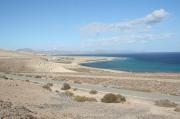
column 136, row 64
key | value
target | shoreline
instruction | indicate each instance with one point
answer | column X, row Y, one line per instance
column 106, row 59
column 90, row 59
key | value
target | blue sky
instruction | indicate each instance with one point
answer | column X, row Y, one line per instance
column 91, row 25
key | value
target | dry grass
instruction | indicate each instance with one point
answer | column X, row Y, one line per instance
column 84, row 98
column 14, row 65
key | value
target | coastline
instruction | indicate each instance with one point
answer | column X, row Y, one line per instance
column 101, row 59
column 106, row 59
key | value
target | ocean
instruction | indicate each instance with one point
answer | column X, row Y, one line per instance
column 140, row 62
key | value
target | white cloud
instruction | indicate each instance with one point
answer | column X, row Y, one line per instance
column 155, row 17
column 140, row 24
column 131, row 32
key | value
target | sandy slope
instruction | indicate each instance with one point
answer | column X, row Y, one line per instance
column 27, row 62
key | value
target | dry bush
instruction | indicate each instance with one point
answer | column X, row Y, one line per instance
column 112, row 98
column 165, row 103
column 93, row 92
column 84, row 98
column 38, row 76
column 65, row 86
column 48, row 86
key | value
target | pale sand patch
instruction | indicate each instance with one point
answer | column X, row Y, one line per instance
column 45, row 66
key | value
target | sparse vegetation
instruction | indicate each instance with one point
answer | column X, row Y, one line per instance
column 165, row 103
column 48, row 86
column 4, row 77
column 14, row 65
column 112, row 98
column 38, row 76
column 65, row 86
column 93, row 92
column 84, row 98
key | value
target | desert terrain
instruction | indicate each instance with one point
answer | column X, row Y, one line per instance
column 31, row 88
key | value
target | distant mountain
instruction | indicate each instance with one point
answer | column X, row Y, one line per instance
column 26, row 50
column 63, row 52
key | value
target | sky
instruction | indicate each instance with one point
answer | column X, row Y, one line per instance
column 91, row 25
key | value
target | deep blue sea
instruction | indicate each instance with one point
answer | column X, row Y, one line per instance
column 140, row 62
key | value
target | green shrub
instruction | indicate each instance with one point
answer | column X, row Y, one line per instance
column 93, row 92
column 165, row 103
column 112, row 98
column 84, row 98
column 65, row 86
